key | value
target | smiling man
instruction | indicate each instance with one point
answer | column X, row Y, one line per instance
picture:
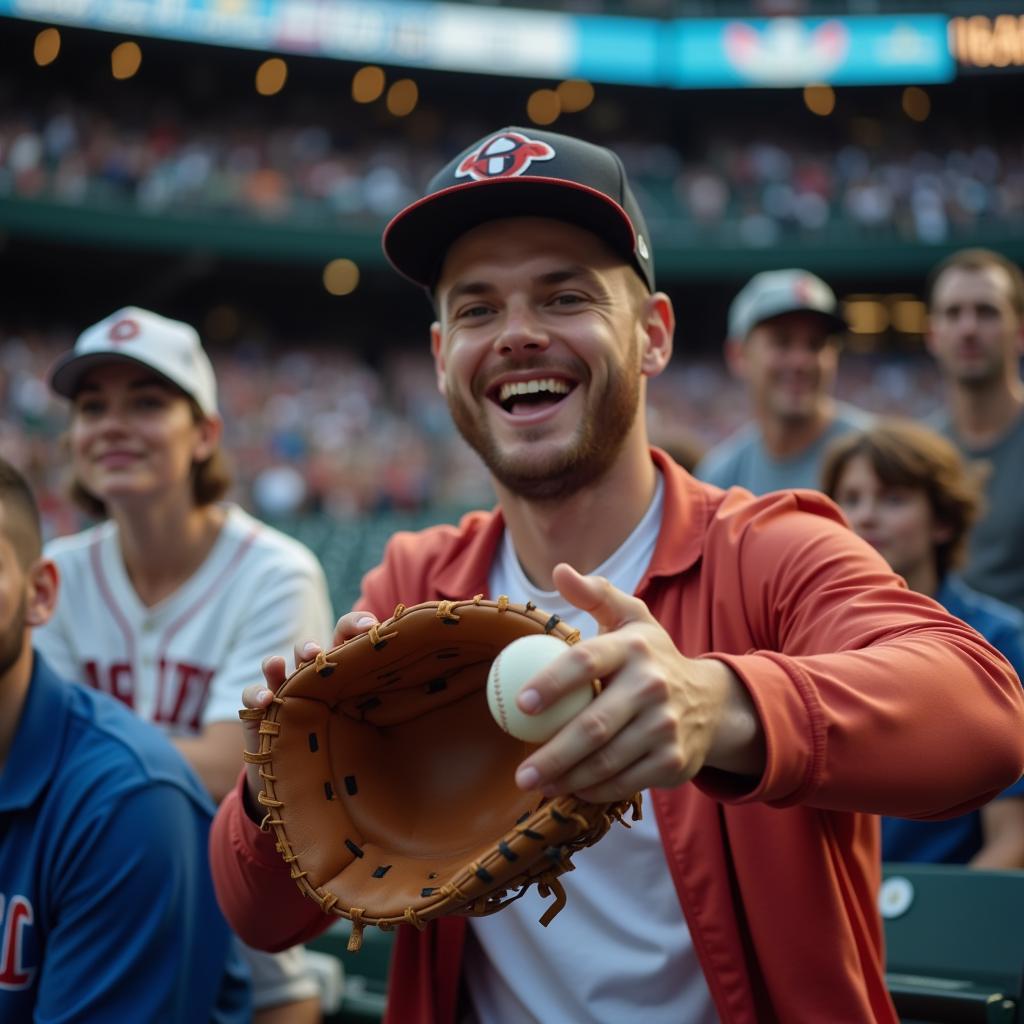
column 746, row 646
column 785, row 334
column 976, row 334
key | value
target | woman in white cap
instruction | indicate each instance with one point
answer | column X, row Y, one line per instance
column 174, row 599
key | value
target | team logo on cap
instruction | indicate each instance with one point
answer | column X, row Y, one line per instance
column 123, row 330
column 503, row 156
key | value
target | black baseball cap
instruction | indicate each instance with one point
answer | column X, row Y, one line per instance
column 520, row 172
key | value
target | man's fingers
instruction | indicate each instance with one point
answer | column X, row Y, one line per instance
column 353, row 624
column 600, row 731
column 257, row 696
column 620, row 755
column 274, row 671
column 348, row 626
column 610, row 607
column 597, row 658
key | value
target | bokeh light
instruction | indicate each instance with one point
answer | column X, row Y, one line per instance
column 543, row 106
column 46, row 47
column 271, row 76
column 368, row 84
column 820, row 99
column 916, row 104
column 341, row 277
column 402, row 97
column 125, row 60
column 574, row 95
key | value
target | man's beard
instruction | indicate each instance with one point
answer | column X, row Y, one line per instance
column 979, row 377
column 590, row 453
column 12, row 640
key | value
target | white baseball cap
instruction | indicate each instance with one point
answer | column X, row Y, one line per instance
column 774, row 292
column 170, row 347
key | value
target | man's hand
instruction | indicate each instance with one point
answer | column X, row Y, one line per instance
column 259, row 695
column 659, row 718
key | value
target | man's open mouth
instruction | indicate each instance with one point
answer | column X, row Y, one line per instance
column 528, row 395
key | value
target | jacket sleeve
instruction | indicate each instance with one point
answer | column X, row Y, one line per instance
column 872, row 697
column 254, row 885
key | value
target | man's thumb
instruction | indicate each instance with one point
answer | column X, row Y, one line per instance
column 606, row 604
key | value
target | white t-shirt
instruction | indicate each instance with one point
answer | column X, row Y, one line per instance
column 184, row 662
column 620, row 949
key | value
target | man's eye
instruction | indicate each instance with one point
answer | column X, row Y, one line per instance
column 567, row 299
column 472, row 312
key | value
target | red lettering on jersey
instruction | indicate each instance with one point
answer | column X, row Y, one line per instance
column 115, row 679
column 184, row 690
column 13, row 972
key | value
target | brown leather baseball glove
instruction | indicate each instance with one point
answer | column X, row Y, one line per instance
column 391, row 789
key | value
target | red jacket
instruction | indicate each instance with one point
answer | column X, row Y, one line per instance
column 873, row 701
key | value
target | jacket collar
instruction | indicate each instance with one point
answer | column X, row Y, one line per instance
column 687, row 510
column 684, row 521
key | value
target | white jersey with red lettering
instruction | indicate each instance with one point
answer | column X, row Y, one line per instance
column 184, row 662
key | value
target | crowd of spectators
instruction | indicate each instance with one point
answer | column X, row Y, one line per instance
column 321, row 431
column 750, row 188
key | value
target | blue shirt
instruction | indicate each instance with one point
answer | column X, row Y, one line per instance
column 107, row 909
column 957, row 840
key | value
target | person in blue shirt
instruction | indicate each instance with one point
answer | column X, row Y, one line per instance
column 107, row 909
column 907, row 491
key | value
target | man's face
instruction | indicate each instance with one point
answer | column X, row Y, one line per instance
column 540, row 352
column 974, row 332
column 789, row 363
column 14, row 591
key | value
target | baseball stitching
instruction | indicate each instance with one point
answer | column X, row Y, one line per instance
column 497, row 693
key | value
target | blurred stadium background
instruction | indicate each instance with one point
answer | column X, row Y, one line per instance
column 232, row 163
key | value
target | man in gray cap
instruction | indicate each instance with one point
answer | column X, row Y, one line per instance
column 784, row 338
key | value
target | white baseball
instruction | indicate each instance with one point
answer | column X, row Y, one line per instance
column 517, row 663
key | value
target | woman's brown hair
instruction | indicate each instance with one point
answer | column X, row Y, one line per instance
column 906, row 454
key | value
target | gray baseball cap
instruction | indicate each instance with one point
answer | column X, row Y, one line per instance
column 774, row 292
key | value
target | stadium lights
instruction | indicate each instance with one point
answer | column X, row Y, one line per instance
column 543, row 106
column 402, row 97
column 916, row 104
column 271, row 76
column 341, row 277
column 125, row 60
column 820, row 99
column 575, row 95
column 909, row 314
column 46, row 47
column 368, row 84
column 865, row 314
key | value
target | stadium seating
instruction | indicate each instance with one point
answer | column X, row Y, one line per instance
column 366, row 972
column 955, row 943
